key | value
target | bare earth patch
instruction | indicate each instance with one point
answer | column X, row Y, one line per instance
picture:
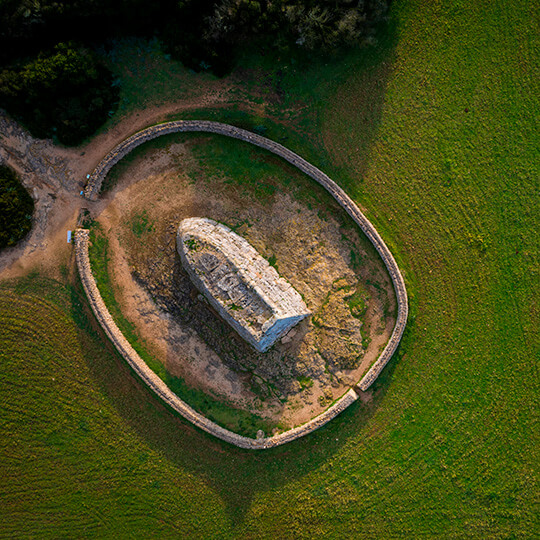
column 302, row 232
column 55, row 175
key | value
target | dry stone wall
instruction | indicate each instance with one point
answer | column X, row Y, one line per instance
column 161, row 389
column 92, row 191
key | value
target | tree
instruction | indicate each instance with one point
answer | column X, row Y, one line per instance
column 16, row 208
column 309, row 24
column 67, row 93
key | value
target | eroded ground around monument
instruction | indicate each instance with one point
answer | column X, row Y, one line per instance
column 297, row 228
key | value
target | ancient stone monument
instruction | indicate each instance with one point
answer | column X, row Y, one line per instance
column 92, row 191
column 240, row 284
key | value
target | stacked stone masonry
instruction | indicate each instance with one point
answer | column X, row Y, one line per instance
column 242, row 286
column 93, row 189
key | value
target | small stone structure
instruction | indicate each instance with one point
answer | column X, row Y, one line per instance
column 242, row 286
column 162, row 390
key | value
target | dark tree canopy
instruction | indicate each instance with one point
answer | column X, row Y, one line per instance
column 199, row 32
column 29, row 26
column 311, row 24
column 16, row 208
column 66, row 93
column 209, row 34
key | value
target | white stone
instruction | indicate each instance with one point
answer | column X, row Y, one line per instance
column 239, row 283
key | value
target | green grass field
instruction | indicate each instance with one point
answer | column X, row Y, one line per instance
column 434, row 133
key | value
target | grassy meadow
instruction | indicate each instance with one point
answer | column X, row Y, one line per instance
column 434, row 132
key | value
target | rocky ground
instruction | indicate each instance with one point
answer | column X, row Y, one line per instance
column 311, row 244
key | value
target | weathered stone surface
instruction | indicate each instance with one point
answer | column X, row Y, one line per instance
column 163, row 391
column 242, row 286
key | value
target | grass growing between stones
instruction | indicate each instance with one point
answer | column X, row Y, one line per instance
column 438, row 129
column 241, row 422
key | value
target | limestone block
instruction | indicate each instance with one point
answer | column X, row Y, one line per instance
column 240, row 284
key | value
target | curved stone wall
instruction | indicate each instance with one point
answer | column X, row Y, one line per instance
column 91, row 192
column 161, row 389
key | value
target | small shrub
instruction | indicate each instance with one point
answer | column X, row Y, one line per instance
column 272, row 261
column 305, row 382
column 357, row 304
column 192, row 244
column 141, row 224
column 65, row 94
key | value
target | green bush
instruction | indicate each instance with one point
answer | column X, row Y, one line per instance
column 67, row 93
column 203, row 34
column 16, row 208
column 206, row 35
column 310, row 24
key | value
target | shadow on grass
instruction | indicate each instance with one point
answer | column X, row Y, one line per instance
column 238, row 475
column 351, row 115
column 321, row 88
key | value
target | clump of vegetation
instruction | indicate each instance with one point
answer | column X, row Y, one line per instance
column 192, row 244
column 357, row 303
column 67, row 93
column 16, row 208
column 272, row 261
column 208, row 34
column 311, row 24
column 203, row 34
column 141, row 224
column 305, row 382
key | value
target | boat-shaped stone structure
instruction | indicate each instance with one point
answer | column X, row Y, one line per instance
column 92, row 191
column 238, row 282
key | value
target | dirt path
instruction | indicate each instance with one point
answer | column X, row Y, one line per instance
column 54, row 176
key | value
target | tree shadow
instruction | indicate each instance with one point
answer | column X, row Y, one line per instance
column 238, row 475
column 352, row 115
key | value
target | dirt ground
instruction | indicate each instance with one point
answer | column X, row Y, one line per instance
column 299, row 377
column 309, row 242
column 54, row 176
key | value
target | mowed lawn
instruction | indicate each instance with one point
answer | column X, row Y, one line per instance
column 434, row 132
